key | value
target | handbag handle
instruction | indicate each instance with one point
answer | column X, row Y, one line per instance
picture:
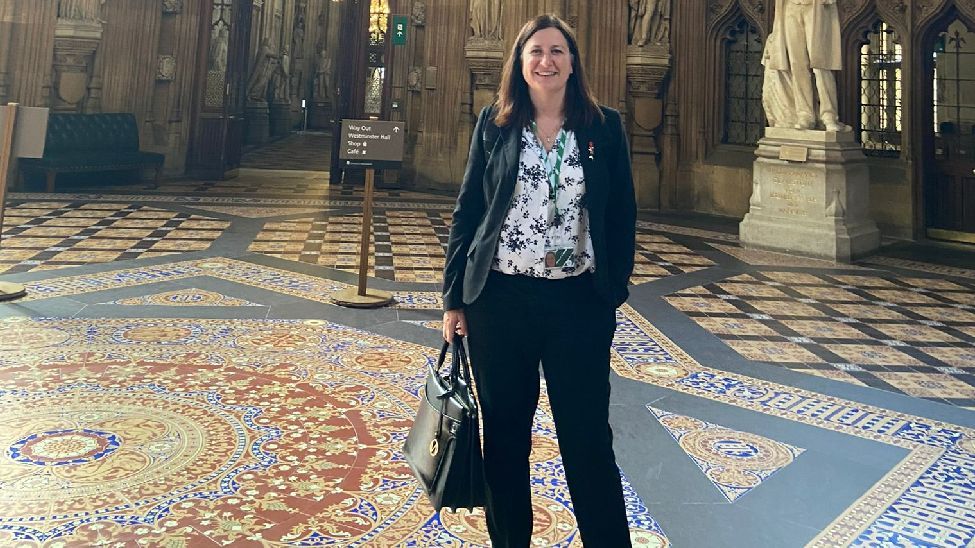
column 460, row 365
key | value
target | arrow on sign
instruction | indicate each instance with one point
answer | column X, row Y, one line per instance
column 396, row 129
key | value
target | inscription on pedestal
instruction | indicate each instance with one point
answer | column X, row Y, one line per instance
column 790, row 192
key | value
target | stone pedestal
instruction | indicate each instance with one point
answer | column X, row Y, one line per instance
column 810, row 196
column 646, row 68
column 258, row 124
column 75, row 42
column 320, row 115
column 280, row 118
column 485, row 58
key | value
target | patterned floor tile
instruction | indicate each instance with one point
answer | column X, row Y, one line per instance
column 735, row 462
column 734, row 326
column 80, row 233
column 284, row 431
column 814, row 329
column 871, row 354
column 782, row 352
column 919, row 502
column 185, row 297
column 886, row 324
column 928, row 385
column 954, row 356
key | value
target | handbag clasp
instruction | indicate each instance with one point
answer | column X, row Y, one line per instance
column 434, row 447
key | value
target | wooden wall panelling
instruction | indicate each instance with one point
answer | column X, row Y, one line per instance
column 32, row 52
column 7, row 21
column 126, row 59
column 442, row 96
column 603, row 50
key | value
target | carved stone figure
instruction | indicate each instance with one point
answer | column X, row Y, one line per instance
column 282, row 79
column 261, row 75
column 219, row 41
column 419, row 13
column 661, row 24
column 323, row 77
column 80, row 10
column 807, row 42
column 777, row 97
column 486, row 19
column 642, row 15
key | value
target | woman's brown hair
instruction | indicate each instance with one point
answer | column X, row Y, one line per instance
column 513, row 104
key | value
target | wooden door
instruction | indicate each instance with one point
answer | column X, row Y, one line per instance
column 218, row 135
column 950, row 184
column 351, row 75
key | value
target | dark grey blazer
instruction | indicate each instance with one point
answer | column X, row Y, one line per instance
column 485, row 196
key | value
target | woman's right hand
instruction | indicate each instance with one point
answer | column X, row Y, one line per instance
column 454, row 322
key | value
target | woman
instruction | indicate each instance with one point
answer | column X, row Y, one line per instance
column 540, row 253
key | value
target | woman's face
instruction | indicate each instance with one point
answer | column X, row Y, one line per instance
column 546, row 62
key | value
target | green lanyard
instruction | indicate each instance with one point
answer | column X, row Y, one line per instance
column 553, row 168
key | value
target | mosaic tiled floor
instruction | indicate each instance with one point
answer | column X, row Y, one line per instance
column 53, row 235
column 285, row 432
column 912, row 335
column 203, row 432
column 735, row 462
column 411, row 246
column 926, row 500
column 308, row 151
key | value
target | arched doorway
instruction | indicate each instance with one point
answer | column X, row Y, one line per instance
column 949, row 183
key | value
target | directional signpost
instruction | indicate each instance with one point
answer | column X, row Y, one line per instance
column 369, row 145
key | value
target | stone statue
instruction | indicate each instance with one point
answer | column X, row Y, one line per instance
column 281, row 81
column 219, row 42
column 323, row 77
column 807, row 43
column 642, row 16
column 661, row 24
column 81, row 10
column 486, row 19
column 261, row 74
column 777, row 97
column 419, row 13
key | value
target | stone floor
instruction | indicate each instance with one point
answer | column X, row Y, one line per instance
column 177, row 376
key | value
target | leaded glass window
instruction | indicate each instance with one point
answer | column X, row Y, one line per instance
column 880, row 92
column 954, row 85
column 375, row 61
column 744, row 119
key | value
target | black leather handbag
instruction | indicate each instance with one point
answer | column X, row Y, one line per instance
column 444, row 446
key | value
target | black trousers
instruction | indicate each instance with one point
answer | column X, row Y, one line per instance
column 516, row 322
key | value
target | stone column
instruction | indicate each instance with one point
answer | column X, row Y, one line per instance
column 484, row 58
column 810, row 196
column 75, row 43
column 646, row 68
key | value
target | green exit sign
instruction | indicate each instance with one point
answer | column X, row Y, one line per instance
column 399, row 30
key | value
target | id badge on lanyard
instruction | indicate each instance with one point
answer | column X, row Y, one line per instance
column 559, row 251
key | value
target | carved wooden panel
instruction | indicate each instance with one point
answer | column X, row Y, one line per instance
column 757, row 12
column 894, row 13
column 967, row 7
column 717, row 9
column 850, row 9
column 925, row 10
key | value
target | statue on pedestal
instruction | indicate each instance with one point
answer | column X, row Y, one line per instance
column 805, row 41
column 486, row 19
column 261, row 75
column 642, row 13
column 323, row 77
column 80, row 10
column 281, row 81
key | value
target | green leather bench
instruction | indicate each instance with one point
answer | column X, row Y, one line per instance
column 90, row 143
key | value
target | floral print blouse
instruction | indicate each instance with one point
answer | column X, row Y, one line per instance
column 527, row 234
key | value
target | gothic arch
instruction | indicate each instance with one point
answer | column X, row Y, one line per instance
column 718, row 36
